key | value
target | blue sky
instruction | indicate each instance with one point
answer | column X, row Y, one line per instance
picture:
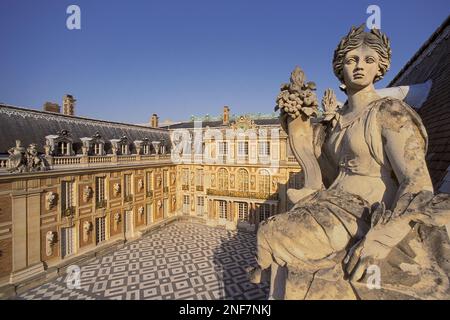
column 177, row 58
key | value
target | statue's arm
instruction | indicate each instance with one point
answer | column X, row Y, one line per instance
column 405, row 147
column 329, row 171
column 307, row 140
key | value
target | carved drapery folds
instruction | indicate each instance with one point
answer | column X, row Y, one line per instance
column 26, row 160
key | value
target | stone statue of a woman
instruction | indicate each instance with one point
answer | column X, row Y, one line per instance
column 367, row 224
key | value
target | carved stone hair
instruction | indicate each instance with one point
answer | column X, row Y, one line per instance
column 356, row 38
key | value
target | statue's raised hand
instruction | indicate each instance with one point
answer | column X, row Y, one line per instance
column 298, row 104
column 297, row 101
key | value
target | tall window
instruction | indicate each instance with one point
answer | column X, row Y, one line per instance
column 124, row 149
column 199, row 178
column 264, row 181
column 242, row 148
column 149, row 182
column 67, row 241
column 100, row 230
column 223, row 148
column 100, row 191
column 264, row 212
column 146, row 149
column 165, row 180
column 243, row 211
column 295, row 180
column 223, row 179
column 67, row 197
column 185, row 179
column 243, row 180
column 200, row 205
column 127, row 187
column 186, row 202
column 223, row 209
column 264, row 148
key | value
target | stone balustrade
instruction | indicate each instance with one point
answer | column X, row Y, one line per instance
column 79, row 161
column 3, row 163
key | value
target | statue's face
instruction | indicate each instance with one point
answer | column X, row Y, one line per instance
column 360, row 67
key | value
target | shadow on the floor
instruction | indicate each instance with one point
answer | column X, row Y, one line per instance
column 231, row 259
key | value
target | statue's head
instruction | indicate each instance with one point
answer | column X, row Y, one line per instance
column 362, row 58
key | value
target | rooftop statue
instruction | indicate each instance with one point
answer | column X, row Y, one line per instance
column 21, row 160
column 368, row 202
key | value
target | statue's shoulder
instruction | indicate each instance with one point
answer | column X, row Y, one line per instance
column 392, row 113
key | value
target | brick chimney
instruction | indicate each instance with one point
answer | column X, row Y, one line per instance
column 154, row 120
column 52, row 107
column 69, row 105
column 226, row 115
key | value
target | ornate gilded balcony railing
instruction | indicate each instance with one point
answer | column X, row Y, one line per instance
column 185, row 187
column 242, row 194
column 199, row 188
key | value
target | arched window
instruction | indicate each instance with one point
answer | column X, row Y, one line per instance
column 243, row 180
column 264, row 181
column 223, row 179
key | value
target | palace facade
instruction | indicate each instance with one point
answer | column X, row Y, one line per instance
column 71, row 187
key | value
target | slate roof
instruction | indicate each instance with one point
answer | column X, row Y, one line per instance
column 432, row 61
column 31, row 126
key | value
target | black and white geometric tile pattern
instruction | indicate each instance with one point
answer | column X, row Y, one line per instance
column 181, row 261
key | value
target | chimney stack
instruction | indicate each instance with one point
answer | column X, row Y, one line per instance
column 154, row 121
column 69, row 105
column 52, row 107
column 226, row 115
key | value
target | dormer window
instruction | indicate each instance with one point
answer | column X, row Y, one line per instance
column 120, row 146
column 93, row 145
column 146, row 149
column 59, row 144
column 98, row 149
column 63, row 148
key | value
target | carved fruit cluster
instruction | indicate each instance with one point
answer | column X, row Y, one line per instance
column 297, row 97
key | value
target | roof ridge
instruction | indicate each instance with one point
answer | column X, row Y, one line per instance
column 4, row 105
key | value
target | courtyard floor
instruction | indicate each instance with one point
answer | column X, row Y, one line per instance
column 180, row 261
